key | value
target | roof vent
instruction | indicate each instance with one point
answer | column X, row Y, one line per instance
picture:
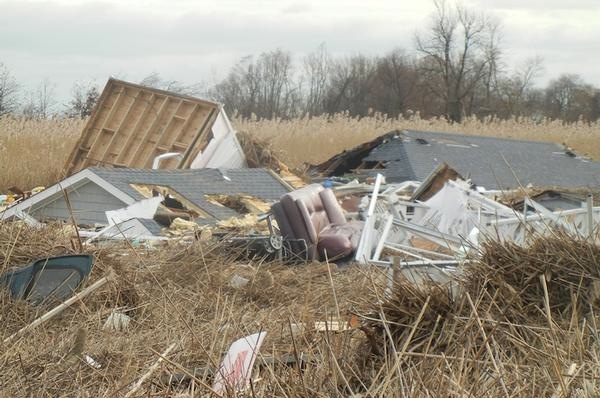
column 422, row 141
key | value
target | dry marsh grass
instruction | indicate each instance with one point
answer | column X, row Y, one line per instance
column 501, row 336
column 316, row 139
column 33, row 152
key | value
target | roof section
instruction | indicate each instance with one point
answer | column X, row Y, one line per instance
column 131, row 124
column 195, row 184
column 494, row 163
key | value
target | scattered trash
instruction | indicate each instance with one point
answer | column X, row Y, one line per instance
column 92, row 362
column 336, row 325
column 236, row 368
column 48, row 279
column 117, row 321
column 145, row 208
column 237, row 281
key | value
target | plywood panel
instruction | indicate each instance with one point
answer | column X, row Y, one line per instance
column 131, row 124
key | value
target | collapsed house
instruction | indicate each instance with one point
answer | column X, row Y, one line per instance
column 134, row 135
column 489, row 162
column 201, row 193
column 455, row 219
column 147, row 157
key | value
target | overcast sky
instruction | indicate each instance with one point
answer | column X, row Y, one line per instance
column 198, row 41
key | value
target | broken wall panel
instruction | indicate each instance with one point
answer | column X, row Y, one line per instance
column 132, row 124
column 88, row 203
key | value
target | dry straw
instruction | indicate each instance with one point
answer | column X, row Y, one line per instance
column 523, row 323
column 33, row 152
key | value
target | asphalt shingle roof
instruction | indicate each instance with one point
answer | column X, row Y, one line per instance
column 195, row 184
column 488, row 161
column 152, row 226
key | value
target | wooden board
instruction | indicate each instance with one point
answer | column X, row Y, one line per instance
column 132, row 124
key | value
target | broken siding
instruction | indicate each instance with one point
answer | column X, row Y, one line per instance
column 88, row 201
column 132, row 124
column 224, row 150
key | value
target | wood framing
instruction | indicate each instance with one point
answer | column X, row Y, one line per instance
column 132, row 124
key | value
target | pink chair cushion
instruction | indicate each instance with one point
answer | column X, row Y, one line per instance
column 339, row 241
column 313, row 214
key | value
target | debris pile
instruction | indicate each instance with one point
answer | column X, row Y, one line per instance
column 162, row 265
column 520, row 322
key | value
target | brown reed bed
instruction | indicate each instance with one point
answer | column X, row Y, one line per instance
column 519, row 322
column 33, row 152
column 522, row 322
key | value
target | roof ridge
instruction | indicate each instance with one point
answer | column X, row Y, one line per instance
column 487, row 137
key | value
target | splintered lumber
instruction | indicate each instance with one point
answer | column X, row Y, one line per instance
column 132, row 124
column 150, row 370
column 58, row 309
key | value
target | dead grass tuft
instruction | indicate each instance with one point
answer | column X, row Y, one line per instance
column 501, row 335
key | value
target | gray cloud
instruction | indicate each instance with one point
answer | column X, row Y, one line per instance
column 69, row 40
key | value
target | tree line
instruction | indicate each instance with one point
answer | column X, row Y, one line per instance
column 456, row 69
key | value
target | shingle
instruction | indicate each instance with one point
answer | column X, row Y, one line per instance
column 152, row 226
column 494, row 163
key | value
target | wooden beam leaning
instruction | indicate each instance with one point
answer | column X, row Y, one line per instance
column 134, row 159
column 123, row 156
column 166, row 133
column 119, row 130
column 201, row 136
column 103, row 130
column 176, row 136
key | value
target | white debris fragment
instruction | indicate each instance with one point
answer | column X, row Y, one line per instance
column 237, row 281
column 92, row 362
column 117, row 321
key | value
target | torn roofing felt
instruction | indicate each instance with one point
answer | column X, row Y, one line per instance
column 493, row 163
column 95, row 190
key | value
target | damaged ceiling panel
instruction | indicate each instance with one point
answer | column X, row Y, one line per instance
column 132, row 124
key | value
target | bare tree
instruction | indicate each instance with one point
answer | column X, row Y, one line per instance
column 239, row 88
column 9, row 90
column 155, row 80
column 316, row 70
column 493, row 68
column 351, row 81
column 83, row 100
column 41, row 102
column 454, row 51
column 395, row 78
column 514, row 90
column 277, row 83
column 264, row 87
column 569, row 98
